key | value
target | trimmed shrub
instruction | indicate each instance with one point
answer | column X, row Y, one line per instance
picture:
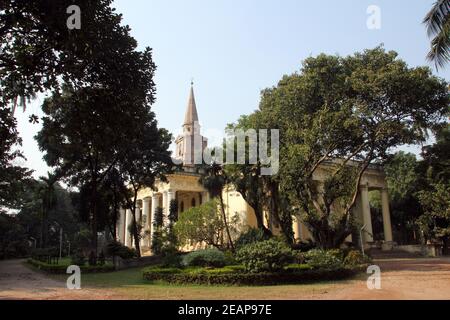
column 205, row 258
column 252, row 235
column 356, row 258
column 117, row 249
column 321, row 259
column 265, row 256
column 233, row 276
column 61, row 269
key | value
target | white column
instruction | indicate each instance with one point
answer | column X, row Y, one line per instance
column 128, row 220
column 165, row 207
column 367, row 219
column 147, row 215
column 121, row 226
column 386, row 215
column 137, row 215
column 152, row 215
column 297, row 227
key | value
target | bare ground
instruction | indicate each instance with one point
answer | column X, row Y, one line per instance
column 400, row 279
column 19, row 282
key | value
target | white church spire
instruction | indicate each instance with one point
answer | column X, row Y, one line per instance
column 191, row 115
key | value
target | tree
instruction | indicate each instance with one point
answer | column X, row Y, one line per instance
column 39, row 53
column 403, row 182
column 157, row 239
column 246, row 178
column 214, row 180
column 437, row 22
column 86, row 133
column 145, row 158
column 13, row 178
column 435, row 222
column 341, row 115
column 202, row 225
column 48, row 198
column 435, row 188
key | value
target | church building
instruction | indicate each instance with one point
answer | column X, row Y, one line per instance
column 184, row 187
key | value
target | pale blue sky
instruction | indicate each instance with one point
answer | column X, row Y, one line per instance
column 234, row 49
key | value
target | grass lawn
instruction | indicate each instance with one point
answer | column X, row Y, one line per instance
column 130, row 285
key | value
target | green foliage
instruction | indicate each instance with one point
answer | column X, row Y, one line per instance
column 324, row 259
column 437, row 21
column 205, row 258
column 203, row 224
column 115, row 248
column 250, row 236
column 13, row 241
column 62, row 268
column 339, row 114
column 265, row 256
column 436, row 203
column 173, row 211
column 355, row 258
column 157, row 240
column 236, row 275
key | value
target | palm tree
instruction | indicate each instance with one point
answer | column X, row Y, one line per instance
column 438, row 27
column 214, row 180
column 48, row 198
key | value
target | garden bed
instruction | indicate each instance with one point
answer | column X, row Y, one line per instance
column 235, row 275
column 61, row 268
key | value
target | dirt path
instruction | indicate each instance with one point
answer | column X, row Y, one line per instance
column 21, row 283
column 422, row 279
column 400, row 279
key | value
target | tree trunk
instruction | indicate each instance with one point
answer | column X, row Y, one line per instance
column 94, row 228
column 135, row 228
column 136, row 235
column 222, row 206
column 445, row 246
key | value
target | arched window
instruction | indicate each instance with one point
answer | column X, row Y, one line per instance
column 193, row 202
column 200, row 199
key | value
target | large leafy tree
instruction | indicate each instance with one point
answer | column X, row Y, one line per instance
column 145, row 158
column 13, row 177
column 86, row 133
column 435, row 188
column 342, row 114
column 438, row 25
column 38, row 53
column 39, row 50
column 260, row 191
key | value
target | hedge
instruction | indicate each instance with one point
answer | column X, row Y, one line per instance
column 62, row 269
column 236, row 276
